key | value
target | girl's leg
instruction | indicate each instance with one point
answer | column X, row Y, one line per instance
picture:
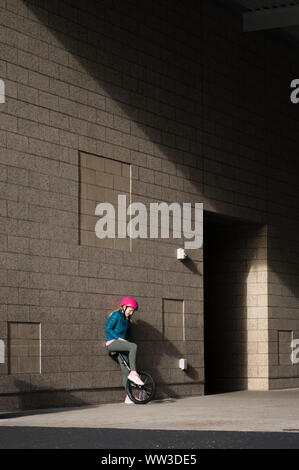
column 131, row 348
column 125, row 346
column 125, row 371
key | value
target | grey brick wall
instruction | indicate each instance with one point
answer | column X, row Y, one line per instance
column 202, row 113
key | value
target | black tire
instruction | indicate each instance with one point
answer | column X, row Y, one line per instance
column 141, row 394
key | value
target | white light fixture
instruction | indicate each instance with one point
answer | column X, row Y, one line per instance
column 183, row 364
column 181, row 253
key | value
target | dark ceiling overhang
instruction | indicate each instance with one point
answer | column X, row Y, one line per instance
column 275, row 16
column 259, row 15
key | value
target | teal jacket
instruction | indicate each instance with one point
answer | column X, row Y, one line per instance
column 118, row 326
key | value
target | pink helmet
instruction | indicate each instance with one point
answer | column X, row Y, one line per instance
column 130, row 302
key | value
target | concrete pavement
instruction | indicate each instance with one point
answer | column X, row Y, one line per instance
column 265, row 411
column 19, row 437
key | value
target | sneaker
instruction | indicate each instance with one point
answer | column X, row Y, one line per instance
column 128, row 401
column 135, row 378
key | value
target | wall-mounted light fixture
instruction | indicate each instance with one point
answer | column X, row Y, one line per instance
column 183, row 364
column 181, row 253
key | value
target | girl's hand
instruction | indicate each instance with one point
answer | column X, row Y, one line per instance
column 121, row 339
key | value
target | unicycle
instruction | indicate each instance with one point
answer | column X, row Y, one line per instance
column 139, row 394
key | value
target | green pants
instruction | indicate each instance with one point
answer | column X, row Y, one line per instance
column 130, row 350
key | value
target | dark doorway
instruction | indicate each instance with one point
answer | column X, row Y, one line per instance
column 228, row 248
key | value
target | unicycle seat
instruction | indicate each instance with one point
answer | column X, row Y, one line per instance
column 113, row 354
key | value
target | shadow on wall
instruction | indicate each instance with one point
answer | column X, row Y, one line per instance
column 186, row 111
column 41, row 401
column 136, row 69
column 121, row 57
column 159, row 357
column 188, row 97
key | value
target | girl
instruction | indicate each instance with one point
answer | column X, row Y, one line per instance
column 118, row 338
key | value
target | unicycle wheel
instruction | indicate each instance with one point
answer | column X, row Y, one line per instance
column 141, row 394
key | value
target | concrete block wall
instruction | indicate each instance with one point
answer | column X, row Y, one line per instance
column 257, row 311
column 102, row 180
column 24, row 353
column 194, row 106
column 283, row 228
